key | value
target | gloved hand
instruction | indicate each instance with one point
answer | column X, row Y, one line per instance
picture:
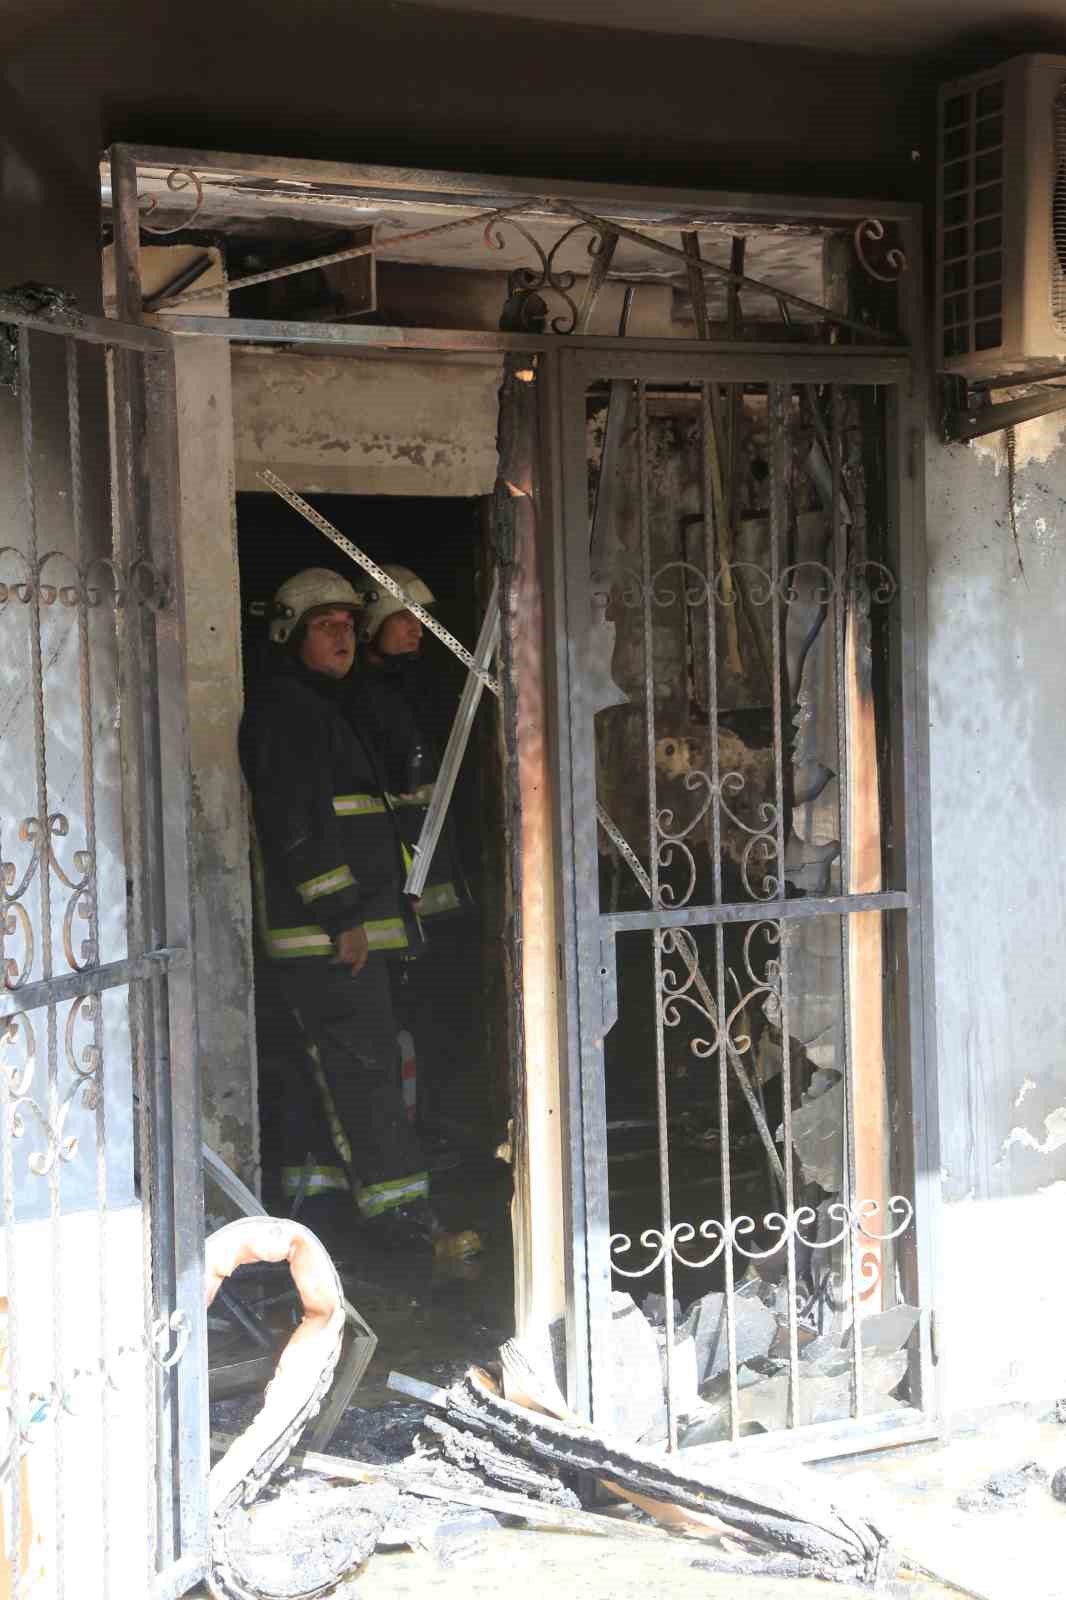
column 353, row 950
column 418, row 797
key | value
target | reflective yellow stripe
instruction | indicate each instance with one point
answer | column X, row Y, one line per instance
column 379, row 1197
column 311, row 1180
column 337, row 1130
column 388, row 934
column 290, row 943
column 309, row 941
column 325, row 883
column 258, row 882
column 355, row 805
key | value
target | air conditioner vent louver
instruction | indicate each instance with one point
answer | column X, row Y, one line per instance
column 1001, row 222
column 1058, row 211
column 971, row 170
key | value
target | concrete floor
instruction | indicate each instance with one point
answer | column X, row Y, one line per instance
column 1015, row 1553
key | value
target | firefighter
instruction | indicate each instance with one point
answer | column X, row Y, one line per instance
column 328, row 883
column 388, row 701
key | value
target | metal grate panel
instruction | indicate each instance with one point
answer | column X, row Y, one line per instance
column 735, row 929
column 971, row 154
column 103, row 1370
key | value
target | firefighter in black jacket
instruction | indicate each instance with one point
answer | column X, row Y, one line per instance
column 328, row 893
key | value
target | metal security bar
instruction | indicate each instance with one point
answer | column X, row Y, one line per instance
column 733, row 698
column 102, row 1363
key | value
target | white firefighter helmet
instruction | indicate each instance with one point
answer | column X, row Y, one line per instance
column 306, row 591
column 381, row 604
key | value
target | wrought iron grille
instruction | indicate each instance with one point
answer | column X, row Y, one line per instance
column 738, row 1001
column 101, row 1326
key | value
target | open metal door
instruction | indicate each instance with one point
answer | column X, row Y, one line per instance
column 740, row 891
column 104, row 1369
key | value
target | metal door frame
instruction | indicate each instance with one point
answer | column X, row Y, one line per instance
column 155, row 805
column 565, row 376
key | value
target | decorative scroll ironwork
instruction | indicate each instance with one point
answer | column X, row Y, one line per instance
column 681, row 582
column 730, row 760
column 178, row 180
column 872, row 229
column 84, row 1063
column 529, row 284
column 139, row 580
column 546, row 275
column 853, row 1222
column 864, row 576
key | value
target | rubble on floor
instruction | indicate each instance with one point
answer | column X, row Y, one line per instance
column 1001, row 1488
column 762, row 1338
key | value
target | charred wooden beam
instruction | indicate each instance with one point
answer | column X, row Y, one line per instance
column 787, row 1517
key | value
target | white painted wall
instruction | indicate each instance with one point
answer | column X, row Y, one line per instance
column 87, row 1477
column 997, row 673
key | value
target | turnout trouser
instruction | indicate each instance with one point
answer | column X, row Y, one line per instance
column 350, row 1031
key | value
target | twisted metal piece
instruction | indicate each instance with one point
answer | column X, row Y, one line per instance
column 871, row 228
column 530, row 282
column 178, row 180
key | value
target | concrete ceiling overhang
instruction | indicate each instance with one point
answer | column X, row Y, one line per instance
column 867, row 27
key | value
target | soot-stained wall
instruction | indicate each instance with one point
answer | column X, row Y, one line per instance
column 998, row 789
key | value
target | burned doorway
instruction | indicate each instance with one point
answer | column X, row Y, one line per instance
column 737, row 705
column 448, row 987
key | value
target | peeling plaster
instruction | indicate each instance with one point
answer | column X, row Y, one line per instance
column 1028, row 1085
column 333, row 425
column 1055, row 1124
column 1034, row 442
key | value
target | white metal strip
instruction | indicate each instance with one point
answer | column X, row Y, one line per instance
column 361, row 559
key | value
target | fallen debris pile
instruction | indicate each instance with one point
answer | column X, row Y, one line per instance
column 293, row 1524
column 761, row 1331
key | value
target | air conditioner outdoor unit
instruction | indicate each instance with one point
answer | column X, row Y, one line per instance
column 1001, row 220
